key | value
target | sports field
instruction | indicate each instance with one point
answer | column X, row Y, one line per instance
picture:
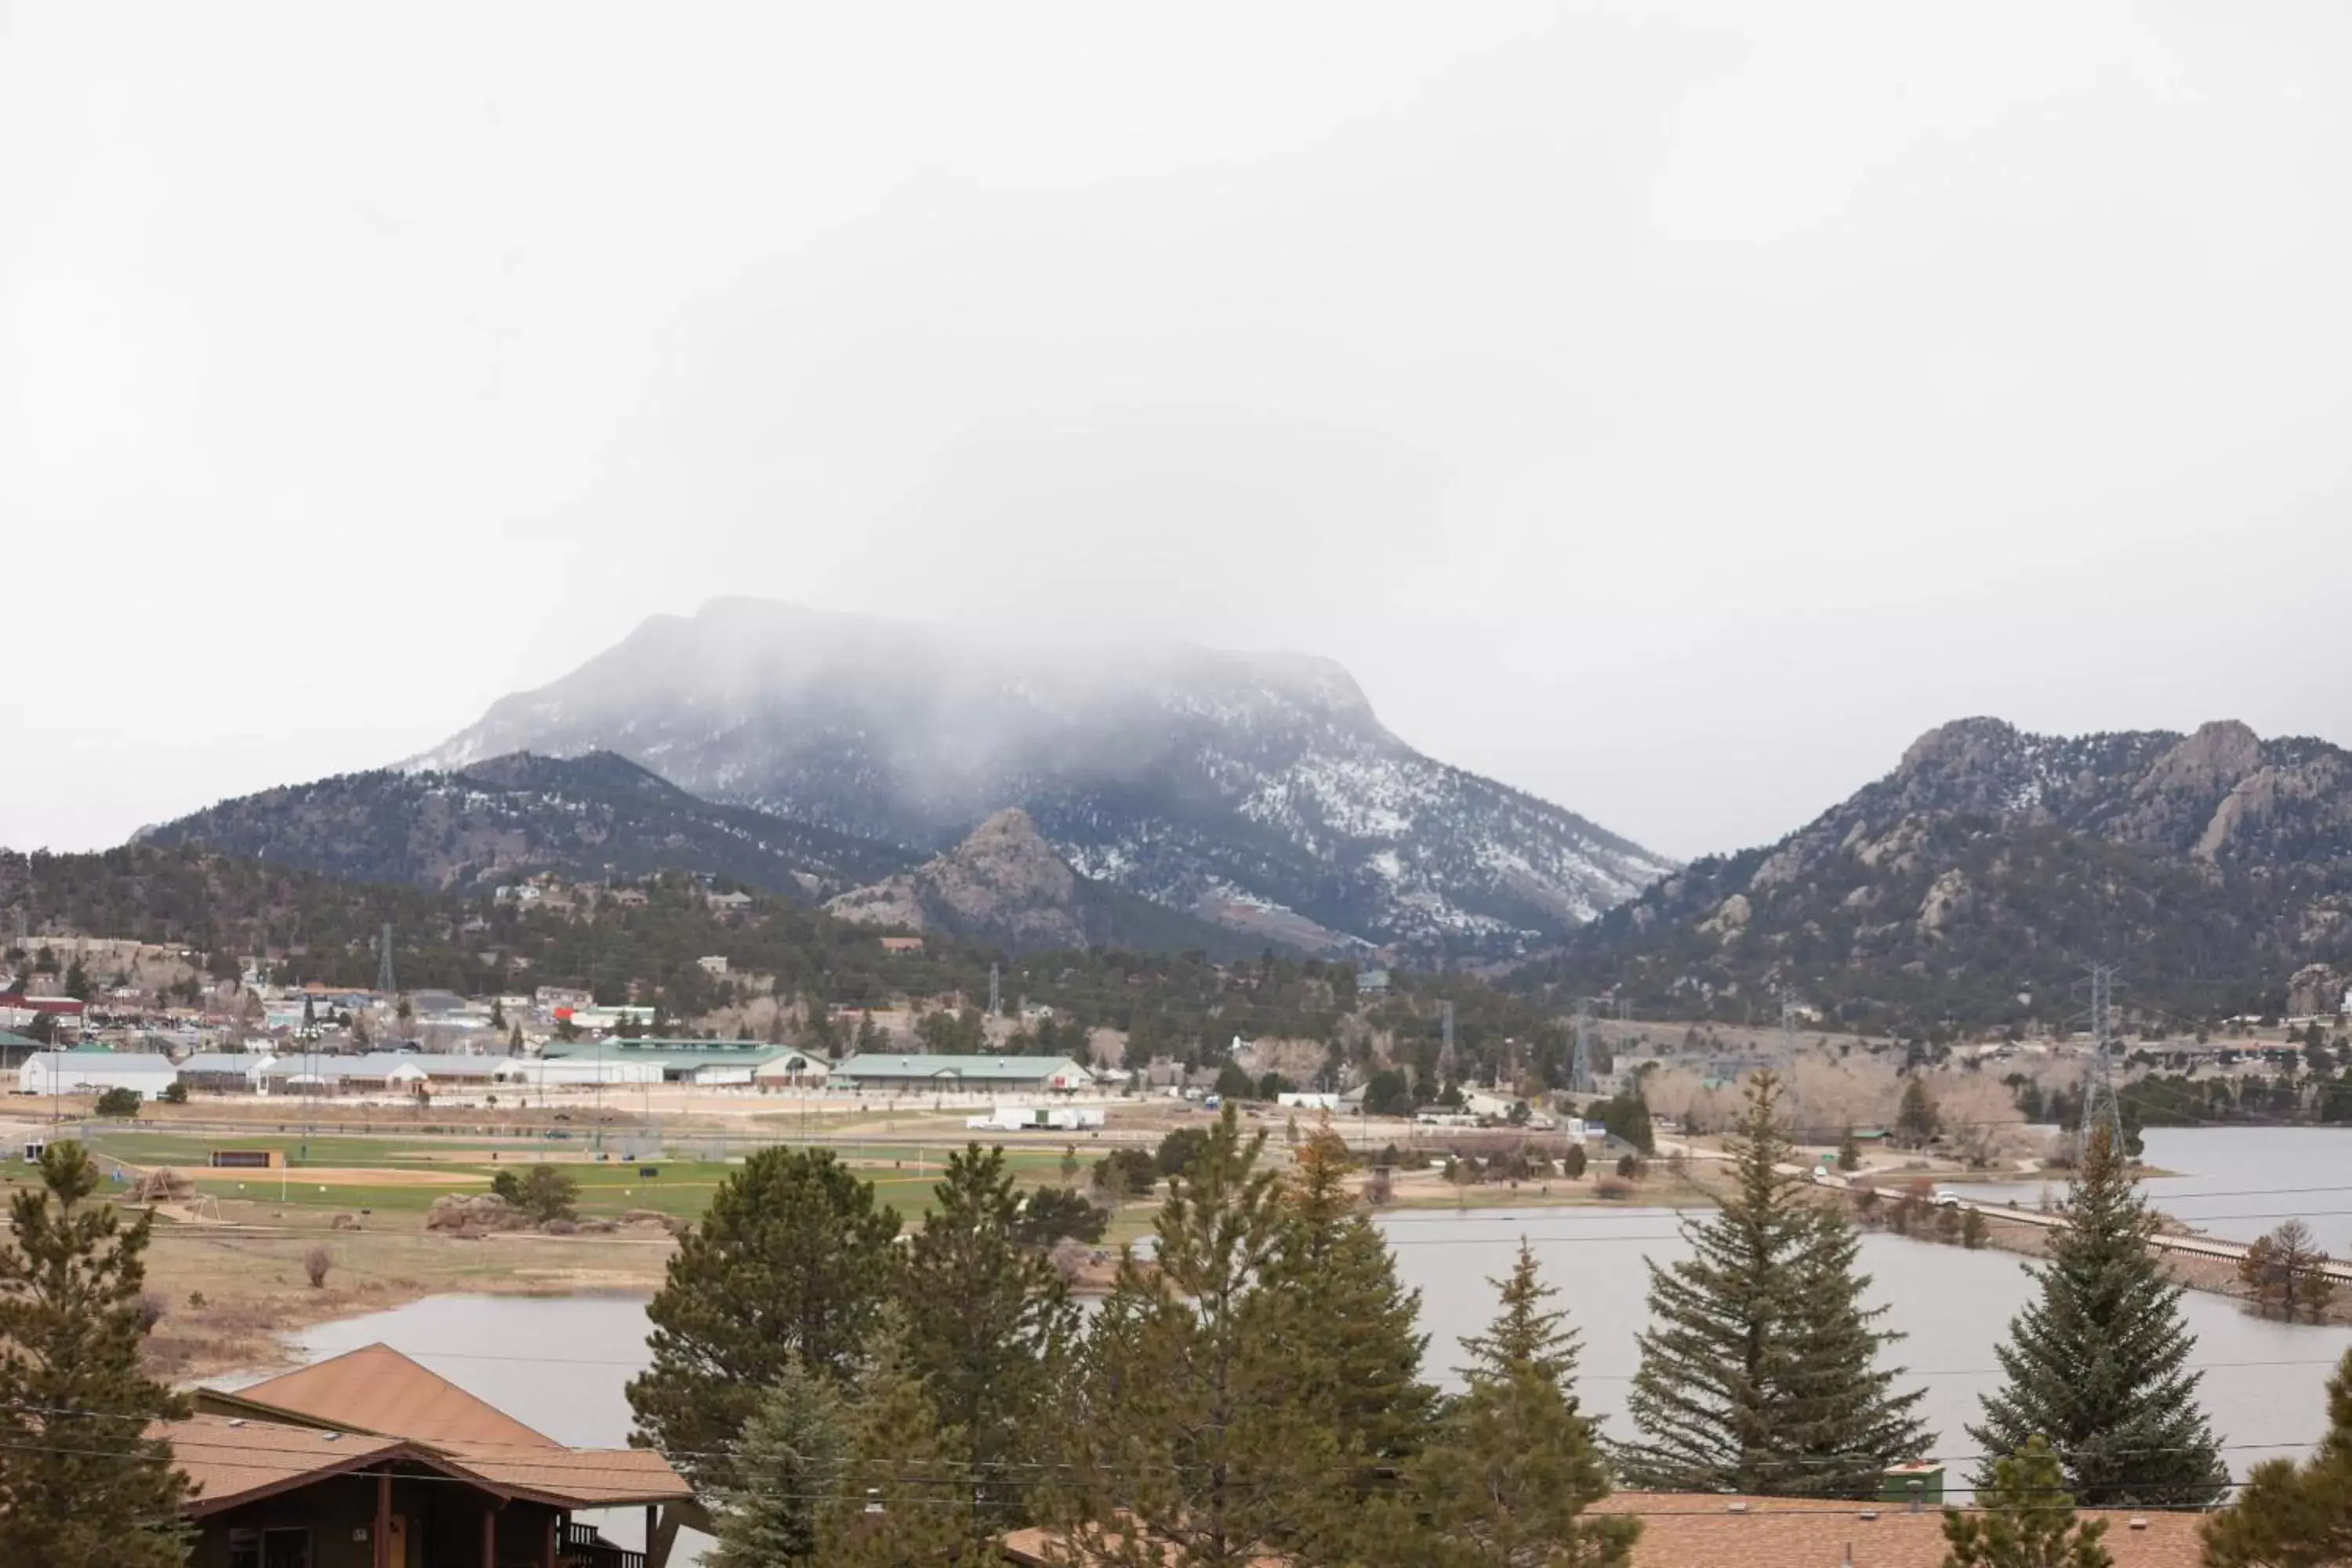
column 392, row 1177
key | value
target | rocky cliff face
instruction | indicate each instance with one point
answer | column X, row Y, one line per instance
column 1004, row 884
column 1259, row 791
column 591, row 816
column 1972, row 882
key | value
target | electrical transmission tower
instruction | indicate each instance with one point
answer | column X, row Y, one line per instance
column 384, row 979
column 995, row 991
column 2100, row 1106
column 1789, row 1048
column 1579, row 1064
column 1448, row 1065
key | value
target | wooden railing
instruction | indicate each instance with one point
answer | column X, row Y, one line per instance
column 583, row 1548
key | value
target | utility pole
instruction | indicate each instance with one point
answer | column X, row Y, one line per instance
column 2100, row 1106
column 1579, row 1064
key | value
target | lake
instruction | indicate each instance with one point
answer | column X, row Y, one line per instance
column 560, row 1364
column 2237, row 1183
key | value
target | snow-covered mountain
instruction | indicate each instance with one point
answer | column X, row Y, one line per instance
column 1255, row 789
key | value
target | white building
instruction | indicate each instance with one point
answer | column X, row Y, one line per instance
column 94, row 1072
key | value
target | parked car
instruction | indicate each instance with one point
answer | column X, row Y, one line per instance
column 1945, row 1198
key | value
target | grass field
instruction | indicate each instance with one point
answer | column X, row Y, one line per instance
column 389, row 1176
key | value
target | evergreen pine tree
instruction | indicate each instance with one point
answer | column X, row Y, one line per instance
column 1916, row 1119
column 1181, row 1453
column 2290, row 1515
column 793, row 1261
column 903, row 1498
column 1760, row 1372
column 1506, row 1479
column 80, row 1484
column 986, row 1320
column 1359, row 1349
column 2024, row 1519
column 791, row 1461
column 2099, row 1364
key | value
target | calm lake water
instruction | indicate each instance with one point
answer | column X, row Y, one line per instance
column 559, row 1365
column 2237, row 1183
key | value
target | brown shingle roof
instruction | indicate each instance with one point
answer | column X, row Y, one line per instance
column 1698, row 1530
column 377, row 1389
column 579, row 1478
column 234, row 1461
column 389, row 1406
column 1701, row 1531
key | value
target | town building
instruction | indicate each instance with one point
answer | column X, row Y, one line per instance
column 792, row 1070
column 378, row 1072
column 14, row 1049
column 368, row 1460
column 86, row 1071
column 870, row 1072
column 219, row 1072
column 709, row 1063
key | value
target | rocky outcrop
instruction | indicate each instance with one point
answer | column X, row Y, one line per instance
column 1003, row 882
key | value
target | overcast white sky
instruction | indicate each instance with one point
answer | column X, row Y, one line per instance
column 1669, row 408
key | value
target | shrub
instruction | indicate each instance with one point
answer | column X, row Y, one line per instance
column 1974, row 1231
column 1614, row 1188
column 1572, row 1163
column 1126, row 1173
column 1050, row 1213
column 315, row 1263
column 1380, row 1187
column 176, row 1093
column 119, row 1102
column 1629, row 1166
column 545, row 1194
column 1176, row 1149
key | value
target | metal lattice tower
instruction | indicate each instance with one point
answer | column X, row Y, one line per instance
column 1579, row 1064
column 1448, row 1065
column 995, row 991
column 384, row 979
column 2100, row 1106
column 1791, row 1105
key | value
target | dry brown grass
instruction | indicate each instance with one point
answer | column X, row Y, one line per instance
column 231, row 1290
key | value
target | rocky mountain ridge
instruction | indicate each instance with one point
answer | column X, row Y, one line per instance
column 1006, row 885
column 1973, row 882
column 1259, row 791
column 503, row 819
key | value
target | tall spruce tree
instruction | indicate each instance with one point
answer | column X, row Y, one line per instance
column 987, row 1321
column 1351, row 1324
column 81, row 1485
column 1181, row 1452
column 2290, row 1515
column 791, row 1461
column 1506, row 1478
column 1760, row 1372
column 903, row 1497
column 2099, row 1364
column 793, row 1261
column 2024, row 1519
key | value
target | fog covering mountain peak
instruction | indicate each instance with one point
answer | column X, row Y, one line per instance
column 1259, row 790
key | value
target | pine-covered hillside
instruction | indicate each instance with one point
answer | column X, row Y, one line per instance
column 1971, row 885
column 504, row 818
column 1257, row 790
